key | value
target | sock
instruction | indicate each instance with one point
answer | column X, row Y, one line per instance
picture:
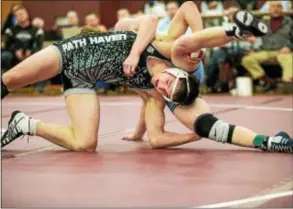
column 26, row 124
column 261, row 141
column 33, row 126
column 4, row 90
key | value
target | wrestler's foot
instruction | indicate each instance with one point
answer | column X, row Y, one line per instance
column 18, row 125
column 281, row 142
column 249, row 24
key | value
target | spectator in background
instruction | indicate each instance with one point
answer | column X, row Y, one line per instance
column 10, row 20
column 72, row 18
column 38, row 23
column 140, row 12
column 165, row 22
column 277, row 45
column 220, row 67
column 212, row 7
column 122, row 14
column 155, row 7
column 286, row 5
column 93, row 21
column 247, row 4
column 22, row 40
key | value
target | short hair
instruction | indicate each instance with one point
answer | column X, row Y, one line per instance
column 18, row 7
column 91, row 13
column 172, row 1
column 181, row 95
column 71, row 12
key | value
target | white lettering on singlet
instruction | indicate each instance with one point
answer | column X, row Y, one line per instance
column 82, row 42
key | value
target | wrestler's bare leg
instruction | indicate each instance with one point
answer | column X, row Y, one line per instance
column 187, row 115
column 188, row 15
column 81, row 135
column 40, row 66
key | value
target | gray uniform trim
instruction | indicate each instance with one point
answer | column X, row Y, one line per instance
column 219, row 132
column 60, row 57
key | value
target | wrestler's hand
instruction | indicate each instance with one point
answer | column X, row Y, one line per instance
column 130, row 64
column 19, row 54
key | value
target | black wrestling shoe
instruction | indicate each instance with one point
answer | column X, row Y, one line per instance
column 17, row 126
column 249, row 24
column 281, row 142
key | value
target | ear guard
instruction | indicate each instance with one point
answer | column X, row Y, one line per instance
column 177, row 73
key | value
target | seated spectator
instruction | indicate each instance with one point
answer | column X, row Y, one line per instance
column 212, row 7
column 93, row 21
column 140, row 12
column 72, row 28
column 220, row 67
column 247, row 4
column 38, row 23
column 22, row 40
column 155, row 7
column 72, row 18
column 277, row 46
column 123, row 13
column 286, row 5
column 165, row 22
column 10, row 20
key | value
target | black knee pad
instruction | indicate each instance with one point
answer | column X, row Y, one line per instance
column 208, row 126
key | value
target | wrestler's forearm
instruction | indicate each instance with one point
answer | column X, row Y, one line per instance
column 171, row 139
column 145, row 34
column 141, row 127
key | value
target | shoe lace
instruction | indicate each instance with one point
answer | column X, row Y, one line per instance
column 27, row 138
column 283, row 147
column 12, row 131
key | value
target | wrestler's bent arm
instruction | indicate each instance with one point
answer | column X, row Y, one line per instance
column 146, row 29
column 155, row 121
column 140, row 128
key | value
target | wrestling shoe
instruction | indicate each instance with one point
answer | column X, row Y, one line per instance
column 281, row 142
column 250, row 25
column 19, row 125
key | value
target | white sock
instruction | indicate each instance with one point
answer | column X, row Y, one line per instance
column 33, row 126
column 26, row 124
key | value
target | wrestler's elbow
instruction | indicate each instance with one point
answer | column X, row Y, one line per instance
column 151, row 20
column 122, row 25
column 154, row 142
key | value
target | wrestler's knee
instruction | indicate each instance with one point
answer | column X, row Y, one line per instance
column 247, row 60
column 85, row 144
column 188, row 4
column 85, row 147
column 154, row 142
column 8, row 78
column 208, row 126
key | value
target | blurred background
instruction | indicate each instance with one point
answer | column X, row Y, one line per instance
column 263, row 65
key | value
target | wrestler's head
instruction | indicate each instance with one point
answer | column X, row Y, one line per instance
column 176, row 85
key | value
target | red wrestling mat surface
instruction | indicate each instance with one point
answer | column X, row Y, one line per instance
column 204, row 173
